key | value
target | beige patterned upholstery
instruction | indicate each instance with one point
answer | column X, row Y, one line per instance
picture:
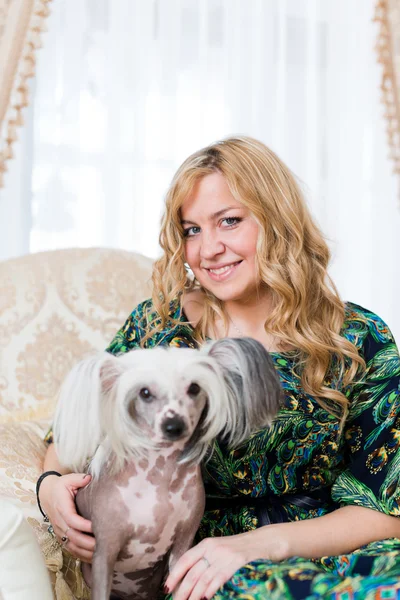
column 55, row 307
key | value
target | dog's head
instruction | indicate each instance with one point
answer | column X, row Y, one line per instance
column 160, row 395
column 147, row 398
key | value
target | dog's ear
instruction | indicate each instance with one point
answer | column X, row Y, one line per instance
column 77, row 424
column 253, row 384
column 110, row 370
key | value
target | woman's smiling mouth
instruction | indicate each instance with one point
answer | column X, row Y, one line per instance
column 222, row 273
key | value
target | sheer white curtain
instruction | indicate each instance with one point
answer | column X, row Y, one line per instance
column 126, row 89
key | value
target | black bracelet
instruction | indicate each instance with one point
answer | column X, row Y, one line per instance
column 38, row 483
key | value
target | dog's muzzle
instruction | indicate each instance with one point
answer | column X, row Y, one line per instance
column 173, row 428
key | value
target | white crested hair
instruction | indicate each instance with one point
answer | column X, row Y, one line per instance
column 95, row 419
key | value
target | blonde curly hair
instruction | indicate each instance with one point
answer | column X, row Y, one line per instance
column 291, row 259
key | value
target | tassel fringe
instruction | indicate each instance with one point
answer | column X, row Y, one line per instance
column 19, row 92
column 387, row 15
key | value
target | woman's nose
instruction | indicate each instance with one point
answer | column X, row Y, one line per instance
column 211, row 246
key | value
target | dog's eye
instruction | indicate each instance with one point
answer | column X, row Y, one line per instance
column 194, row 389
column 145, row 394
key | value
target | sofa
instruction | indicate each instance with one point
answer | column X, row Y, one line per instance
column 55, row 308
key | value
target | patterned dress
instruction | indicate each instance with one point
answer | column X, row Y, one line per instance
column 304, row 467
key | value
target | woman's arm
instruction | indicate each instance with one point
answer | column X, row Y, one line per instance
column 339, row 532
column 202, row 570
column 57, row 499
column 51, row 462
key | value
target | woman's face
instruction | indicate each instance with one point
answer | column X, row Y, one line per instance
column 220, row 240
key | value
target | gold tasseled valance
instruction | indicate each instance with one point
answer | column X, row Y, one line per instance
column 387, row 14
column 21, row 23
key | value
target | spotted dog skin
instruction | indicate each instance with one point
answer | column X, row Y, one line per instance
column 144, row 518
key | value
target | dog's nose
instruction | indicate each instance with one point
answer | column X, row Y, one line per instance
column 173, row 428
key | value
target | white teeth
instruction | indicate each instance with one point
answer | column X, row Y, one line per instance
column 222, row 269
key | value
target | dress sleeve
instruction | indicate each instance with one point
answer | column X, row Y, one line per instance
column 372, row 430
column 133, row 330
column 127, row 338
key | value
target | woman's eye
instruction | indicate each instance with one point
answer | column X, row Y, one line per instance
column 231, row 221
column 191, row 231
column 145, row 394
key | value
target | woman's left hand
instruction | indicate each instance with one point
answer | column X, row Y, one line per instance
column 203, row 569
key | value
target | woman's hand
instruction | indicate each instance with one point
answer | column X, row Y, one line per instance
column 57, row 498
column 203, row 569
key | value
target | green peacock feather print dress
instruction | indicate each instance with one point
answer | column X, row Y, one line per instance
column 304, row 467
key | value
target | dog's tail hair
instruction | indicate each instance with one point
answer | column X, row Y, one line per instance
column 77, row 423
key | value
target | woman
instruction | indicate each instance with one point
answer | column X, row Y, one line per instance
column 307, row 508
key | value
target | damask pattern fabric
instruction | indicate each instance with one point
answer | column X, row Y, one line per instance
column 305, row 452
column 55, row 308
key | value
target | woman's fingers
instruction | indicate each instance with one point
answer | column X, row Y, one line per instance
column 80, row 540
column 77, row 480
column 205, row 568
column 218, row 581
column 84, row 555
column 67, row 507
column 191, row 580
column 80, row 545
column 72, row 519
column 209, row 584
column 190, row 558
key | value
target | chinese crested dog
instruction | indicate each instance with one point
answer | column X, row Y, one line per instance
column 147, row 418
